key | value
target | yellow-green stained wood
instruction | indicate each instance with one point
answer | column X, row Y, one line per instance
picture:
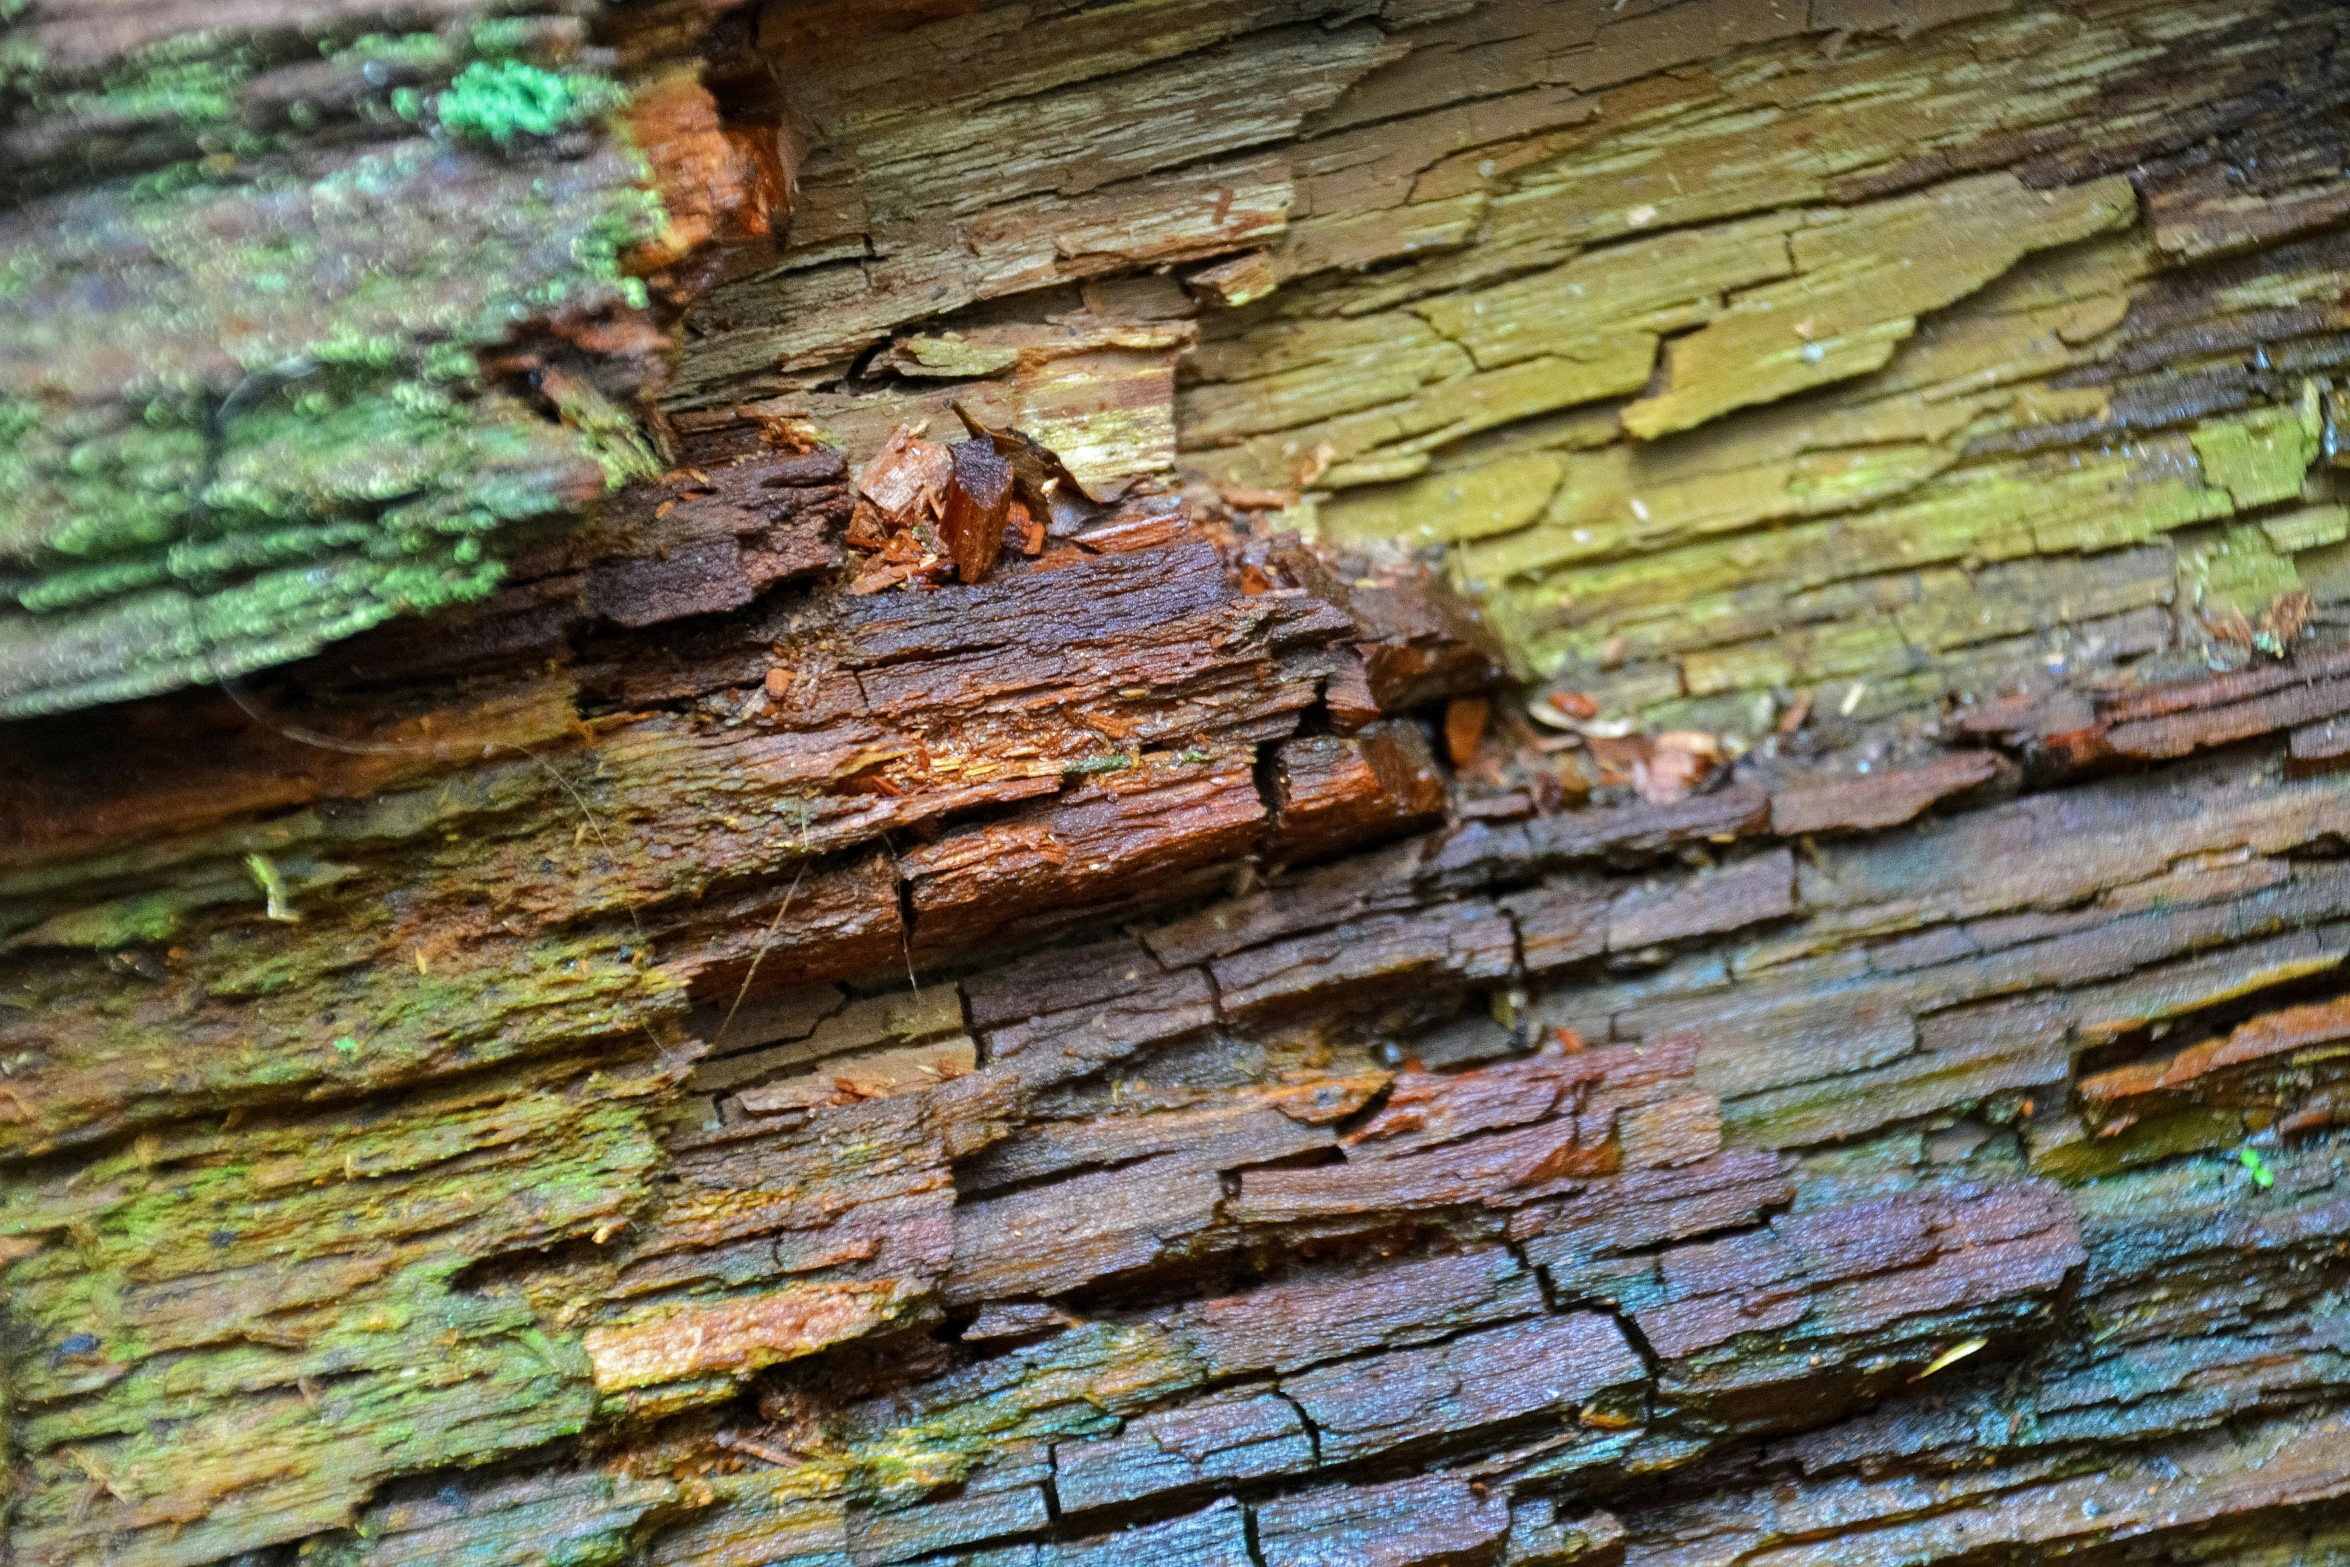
column 1599, row 367
column 1800, row 657
column 1360, row 365
column 2240, row 573
column 1988, row 513
column 1680, row 277
column 1407, row 403
column 270, row 1319
column 1861, row 284
column 1471, row 503
column 2261, row 457
column 2310, row 528
column 1606, row 510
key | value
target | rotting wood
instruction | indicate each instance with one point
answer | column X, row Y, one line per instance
column 1116, row 1055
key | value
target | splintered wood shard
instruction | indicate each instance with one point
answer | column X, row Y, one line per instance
column 978, row 499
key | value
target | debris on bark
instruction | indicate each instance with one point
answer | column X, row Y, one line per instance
column 928, row 513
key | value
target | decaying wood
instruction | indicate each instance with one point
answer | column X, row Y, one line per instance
column 1501, row 784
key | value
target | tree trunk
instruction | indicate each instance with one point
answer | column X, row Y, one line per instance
column 1633, row 856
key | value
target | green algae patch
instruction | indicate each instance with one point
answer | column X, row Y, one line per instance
column 247, row 1329
column 1078, row 1384
column 562, row 1519
column 345, row 1001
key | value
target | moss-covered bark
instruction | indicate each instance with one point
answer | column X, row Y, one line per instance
column 304, row 322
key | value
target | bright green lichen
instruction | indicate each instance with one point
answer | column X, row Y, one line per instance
column 2239, row 573
column 149, row 918
column 340, row 508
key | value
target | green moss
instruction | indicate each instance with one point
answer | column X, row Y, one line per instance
column 168, row 103
column 334, row 1003
column 131, row 646
column 607, row 432
column 303, row 446
column 148, row 918
column 189, row 79
column 501, row 100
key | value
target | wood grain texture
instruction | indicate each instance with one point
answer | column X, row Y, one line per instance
column 674, row 1061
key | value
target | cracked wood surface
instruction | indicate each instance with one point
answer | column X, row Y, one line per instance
column 1147, row 1057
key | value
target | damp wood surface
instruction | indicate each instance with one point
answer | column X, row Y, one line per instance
column 1645, row 865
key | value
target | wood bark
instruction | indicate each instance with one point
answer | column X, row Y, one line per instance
column 1644, row 865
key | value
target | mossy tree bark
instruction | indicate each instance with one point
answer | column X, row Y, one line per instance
column 538, row 1025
